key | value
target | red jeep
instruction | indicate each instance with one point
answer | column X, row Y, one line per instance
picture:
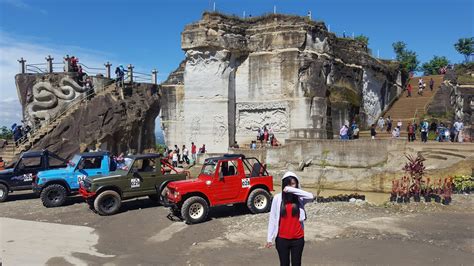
column 230, row 179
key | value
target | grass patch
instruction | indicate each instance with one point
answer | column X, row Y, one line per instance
column 465, row 80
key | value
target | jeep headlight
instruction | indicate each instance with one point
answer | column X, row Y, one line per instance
column 176, row 194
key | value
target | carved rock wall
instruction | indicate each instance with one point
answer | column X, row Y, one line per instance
column 285, row 71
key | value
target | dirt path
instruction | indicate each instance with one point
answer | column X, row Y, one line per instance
column 336, row 234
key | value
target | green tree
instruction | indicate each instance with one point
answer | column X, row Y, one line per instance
column 363, row 39
column 6, row 133
column 465, row 46
column 432, row 67
column 407, row 58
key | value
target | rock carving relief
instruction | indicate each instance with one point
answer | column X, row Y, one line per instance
column 195, row 128
column 219, row 129
column 46, row 97
column 251, row 117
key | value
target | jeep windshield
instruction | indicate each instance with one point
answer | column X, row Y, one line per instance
column 209, row 167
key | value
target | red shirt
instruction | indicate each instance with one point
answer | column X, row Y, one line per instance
column 290, row 226
column 193, row 149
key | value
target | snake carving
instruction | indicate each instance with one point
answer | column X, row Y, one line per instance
column 46, row 96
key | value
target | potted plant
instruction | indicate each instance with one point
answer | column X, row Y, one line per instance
column 394, row 193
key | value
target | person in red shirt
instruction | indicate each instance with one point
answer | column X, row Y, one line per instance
column 286, row 220
column 193, row 152
column 409, row 89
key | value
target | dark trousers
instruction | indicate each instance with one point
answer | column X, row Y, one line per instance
column 289, row 248
column 424, row 136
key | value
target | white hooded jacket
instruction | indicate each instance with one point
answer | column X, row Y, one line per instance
column 274, row 221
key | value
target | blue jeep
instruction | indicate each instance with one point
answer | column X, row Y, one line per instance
column 54, row 186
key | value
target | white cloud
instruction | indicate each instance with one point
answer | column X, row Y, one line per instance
column 13, row 48
column 22, row 5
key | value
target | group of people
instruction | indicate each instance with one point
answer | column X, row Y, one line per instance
column 20, row 131
column 452, row 133
column 421, row 87
column 266, row 136
column 347, row 133
column 178, row 156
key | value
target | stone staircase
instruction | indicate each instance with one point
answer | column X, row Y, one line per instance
column 408, row 108
column 45, row 129
column 8, row 152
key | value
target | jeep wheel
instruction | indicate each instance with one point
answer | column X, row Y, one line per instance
column 194, row 210
column 259, row 201
column 3, row 193
column 107, row 202
column 53, row 195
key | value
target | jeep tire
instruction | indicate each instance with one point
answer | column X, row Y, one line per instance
column 194, row 210
column 259, row 201
column 3, row 193
column 107, row 203
column 53, row 195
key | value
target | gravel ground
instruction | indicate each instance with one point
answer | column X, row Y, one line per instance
column 337, row 233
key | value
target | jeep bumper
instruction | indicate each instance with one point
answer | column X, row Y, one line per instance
column 85, row 194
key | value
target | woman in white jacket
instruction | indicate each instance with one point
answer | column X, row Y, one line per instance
column 286, row 220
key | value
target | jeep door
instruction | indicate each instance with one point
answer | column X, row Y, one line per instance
column 87, row 166
column 227, row 184
column 141, row 178
column 25, row 169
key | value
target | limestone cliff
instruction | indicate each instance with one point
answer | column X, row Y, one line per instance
column 285, row 71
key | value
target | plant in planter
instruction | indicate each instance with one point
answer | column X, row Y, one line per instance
column 395, row 189
column 463, row 184
column 438, row 191
column 427, row 190
column 405, row 189
column 447, row 190
column 415, row 190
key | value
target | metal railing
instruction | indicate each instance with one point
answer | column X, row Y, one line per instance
column 92, row 70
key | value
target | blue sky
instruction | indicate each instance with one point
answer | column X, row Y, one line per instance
column 146, row 33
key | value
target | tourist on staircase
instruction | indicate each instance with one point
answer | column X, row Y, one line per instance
column 389, row 124
column 411, row 132
column 381, row 123
column 431, row 84
column 409, row 90
column 399, row 124
column 373, row 132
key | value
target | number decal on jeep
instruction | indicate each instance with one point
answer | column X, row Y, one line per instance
column 27, row 177
column 135, row 182
column 245, row 182
column 80, row 178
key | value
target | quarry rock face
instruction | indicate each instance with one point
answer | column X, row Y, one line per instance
column 114, row 119
column 286, row 72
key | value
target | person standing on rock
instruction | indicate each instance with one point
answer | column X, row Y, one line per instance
column 286, row 222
